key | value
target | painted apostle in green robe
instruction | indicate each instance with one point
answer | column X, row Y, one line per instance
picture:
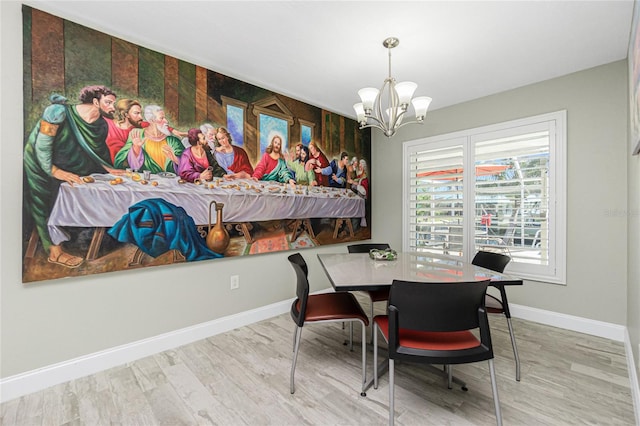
column 68, row 142
column 153, row 148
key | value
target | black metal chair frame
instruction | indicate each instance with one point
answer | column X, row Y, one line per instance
column 374, row 296
column 323, row 308
column 498, row 262
column 454, row 309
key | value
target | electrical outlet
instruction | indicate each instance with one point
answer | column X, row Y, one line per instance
column 235, row 282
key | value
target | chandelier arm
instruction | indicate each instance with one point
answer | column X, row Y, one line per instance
column 375, row 126
column 414, row 121
column 376, row 119
column 379, row 116
column 384, row 128
column 393, row 105
column 383, row 124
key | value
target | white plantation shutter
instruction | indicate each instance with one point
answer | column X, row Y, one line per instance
column 494, row 188
column 436, row 199
column 518, row 198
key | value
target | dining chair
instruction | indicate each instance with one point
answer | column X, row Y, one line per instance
column 447, row 335
column 497, row 262
column 323, row 308
column 374, row 295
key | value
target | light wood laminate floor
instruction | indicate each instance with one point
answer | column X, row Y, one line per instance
column 242, row 378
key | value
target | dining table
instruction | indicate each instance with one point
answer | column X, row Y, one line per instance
column 361, row 272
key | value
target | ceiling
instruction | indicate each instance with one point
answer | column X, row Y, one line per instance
column 323, row 52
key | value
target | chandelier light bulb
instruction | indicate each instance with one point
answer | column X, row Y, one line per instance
column 360, row 112
column 420, row 105
column 405, row 91
column 368, row 96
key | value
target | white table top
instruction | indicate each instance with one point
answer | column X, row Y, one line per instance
column 101, row 204
column 356, row 271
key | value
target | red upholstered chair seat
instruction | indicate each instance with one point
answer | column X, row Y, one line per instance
column 333, row 306
column 430, row 340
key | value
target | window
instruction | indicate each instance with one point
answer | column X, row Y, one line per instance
column 500, row 188
column 236, row 112
column 235, row 124
column 306, row 131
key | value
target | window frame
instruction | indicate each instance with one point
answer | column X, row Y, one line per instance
column 555, row 271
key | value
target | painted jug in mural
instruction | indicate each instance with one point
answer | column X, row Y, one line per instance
column 217, row 237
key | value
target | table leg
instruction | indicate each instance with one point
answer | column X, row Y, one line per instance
column 339, row 222
column 337, row 228
column 136, row 260
column 301, row 225
column 96, row 241
column 244, row 229
column 296, row 225
column 33, row 244
column 349, row 227
column 178, row 257
column 307, row 224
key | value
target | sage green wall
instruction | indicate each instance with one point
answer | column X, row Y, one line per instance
column 597, row 151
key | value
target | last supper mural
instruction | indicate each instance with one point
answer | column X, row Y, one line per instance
column 133, row 158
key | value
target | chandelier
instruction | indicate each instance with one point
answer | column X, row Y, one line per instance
column 392, row 99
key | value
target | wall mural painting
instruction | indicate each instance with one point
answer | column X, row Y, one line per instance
column 135, row 159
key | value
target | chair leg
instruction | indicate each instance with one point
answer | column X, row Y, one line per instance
column 391, row 393
column 351, row 336
column 296, row 339
column 375, row 357
column 364, row 359
column 371, row 319
column 494, row 388
column 515, row 349
column 449, row 377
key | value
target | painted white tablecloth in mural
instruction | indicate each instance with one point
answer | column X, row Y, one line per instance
column 101, row 204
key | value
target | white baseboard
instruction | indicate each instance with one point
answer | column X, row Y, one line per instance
column 32, row 381
column 633, row 376
column 569, row 322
